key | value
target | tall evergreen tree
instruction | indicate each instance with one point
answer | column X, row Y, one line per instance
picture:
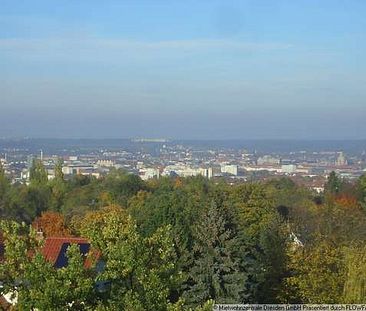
column 215, row 272
column 333, row 185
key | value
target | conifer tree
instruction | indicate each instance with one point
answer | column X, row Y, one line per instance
column 215, row 273
column 333, row 185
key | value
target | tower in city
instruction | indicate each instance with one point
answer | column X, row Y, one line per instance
column 341, row 159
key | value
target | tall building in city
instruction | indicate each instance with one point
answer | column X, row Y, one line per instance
column 341, row 159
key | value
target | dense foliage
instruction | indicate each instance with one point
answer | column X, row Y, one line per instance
column 181, row 243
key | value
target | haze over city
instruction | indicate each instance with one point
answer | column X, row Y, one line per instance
column 183, row 69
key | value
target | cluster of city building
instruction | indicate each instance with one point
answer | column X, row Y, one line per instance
column 155, row 159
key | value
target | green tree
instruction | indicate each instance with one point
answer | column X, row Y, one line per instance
column 254, row 215
column 58, row 188
column 318, row 273
column 334, row 184
column 34, row 200
column 59, row 175
column 361, row 185
column 272, row 258
column 355, row 283
column 215, row 272
column 4, row 191
column 38, row 173
column 140, row 270
column 48, row 288
column 176, row 203
column 81, row 197
column 122, row 186
column 4, row 182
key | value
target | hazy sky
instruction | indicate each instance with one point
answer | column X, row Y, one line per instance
column 183, row 69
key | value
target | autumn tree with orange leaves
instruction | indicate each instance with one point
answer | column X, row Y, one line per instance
column 51, row 224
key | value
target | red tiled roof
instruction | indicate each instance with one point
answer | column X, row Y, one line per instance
column 52, row 247
column 55, row 248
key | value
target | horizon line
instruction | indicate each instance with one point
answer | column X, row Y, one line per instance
column 168, row 139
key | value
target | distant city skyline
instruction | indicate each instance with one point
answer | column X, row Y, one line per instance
column 183, row 69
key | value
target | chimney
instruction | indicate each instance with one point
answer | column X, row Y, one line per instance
column 40, row 235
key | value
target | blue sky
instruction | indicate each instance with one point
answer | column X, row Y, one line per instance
column 183, row 69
